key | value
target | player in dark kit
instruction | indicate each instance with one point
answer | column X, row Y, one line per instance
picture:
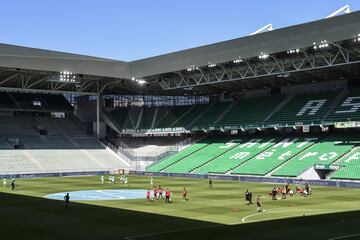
column 258, row 204
column 13, row 185
column 67, row 200
column 184, row 194
column 274, row 193
column 210, row 183
column 287, row 188
column 148, row 195
column 248, row 197
column 307, row 188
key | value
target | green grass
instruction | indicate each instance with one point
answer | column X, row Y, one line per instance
column 217, row 213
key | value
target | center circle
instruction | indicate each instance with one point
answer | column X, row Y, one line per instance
column 113, row 194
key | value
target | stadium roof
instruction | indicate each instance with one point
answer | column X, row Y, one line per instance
column 333, row 29
column 298, row 36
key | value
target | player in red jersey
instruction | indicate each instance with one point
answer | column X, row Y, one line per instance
column 155, row 193
column 184, row 194
column 167, row 195
column 148, row 195
column 160, row 192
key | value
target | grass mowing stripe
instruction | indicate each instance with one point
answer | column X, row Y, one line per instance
column 218, row 210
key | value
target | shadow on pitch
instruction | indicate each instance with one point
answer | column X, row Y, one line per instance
column 26, row 217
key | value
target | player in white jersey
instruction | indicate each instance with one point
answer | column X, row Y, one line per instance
column 125, row 180
column 151, row 181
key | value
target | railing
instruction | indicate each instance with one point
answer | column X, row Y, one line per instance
column 276, row 180
column 116, row 150
column 136, row 155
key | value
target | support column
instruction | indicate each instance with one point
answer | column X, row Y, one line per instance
column 98, row 116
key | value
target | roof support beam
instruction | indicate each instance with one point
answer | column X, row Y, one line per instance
column 313, row 59
column 9, row 89
column 9, row 78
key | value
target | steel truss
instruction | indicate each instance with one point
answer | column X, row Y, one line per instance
column 38, row 81
column 279, row 64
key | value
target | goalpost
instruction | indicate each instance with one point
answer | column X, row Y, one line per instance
column 120, row 171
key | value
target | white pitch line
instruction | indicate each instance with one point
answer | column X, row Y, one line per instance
column 262, row 213
column 346, row 236
column 243, row 220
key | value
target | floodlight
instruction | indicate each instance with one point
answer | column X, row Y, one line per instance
column 237, row 61
column 323, row 44
column 263, row 56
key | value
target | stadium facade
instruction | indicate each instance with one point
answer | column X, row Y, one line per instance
column 283, row 103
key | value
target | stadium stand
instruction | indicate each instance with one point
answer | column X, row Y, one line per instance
column 152, row 148
column 325, row 151
column 64, row 146
column 305, row 109
column 162, row 164
column 273, row 157
column 243, row 114
column 237, row 155
column 194, row 112
column 161, row 114
column 134, row 117
column 220, row 156
column 119, row 117
column 147, row 118
column 171, row 116
column 55, row 102
column 39, row 102
column 208, row 118
column 204, row 155
column 348, row 109
column 349, row 166
column 278, row 156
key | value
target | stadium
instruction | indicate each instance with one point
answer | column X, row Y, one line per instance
column 275, row 113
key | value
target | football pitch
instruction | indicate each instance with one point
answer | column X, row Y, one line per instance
column 210, row 213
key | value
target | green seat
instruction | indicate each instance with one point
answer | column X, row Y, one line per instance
column 237, row 155
column 273, row 157
column 326, row 151
column 295, row 113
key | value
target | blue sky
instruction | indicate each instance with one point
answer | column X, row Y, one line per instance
column 135, row 29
